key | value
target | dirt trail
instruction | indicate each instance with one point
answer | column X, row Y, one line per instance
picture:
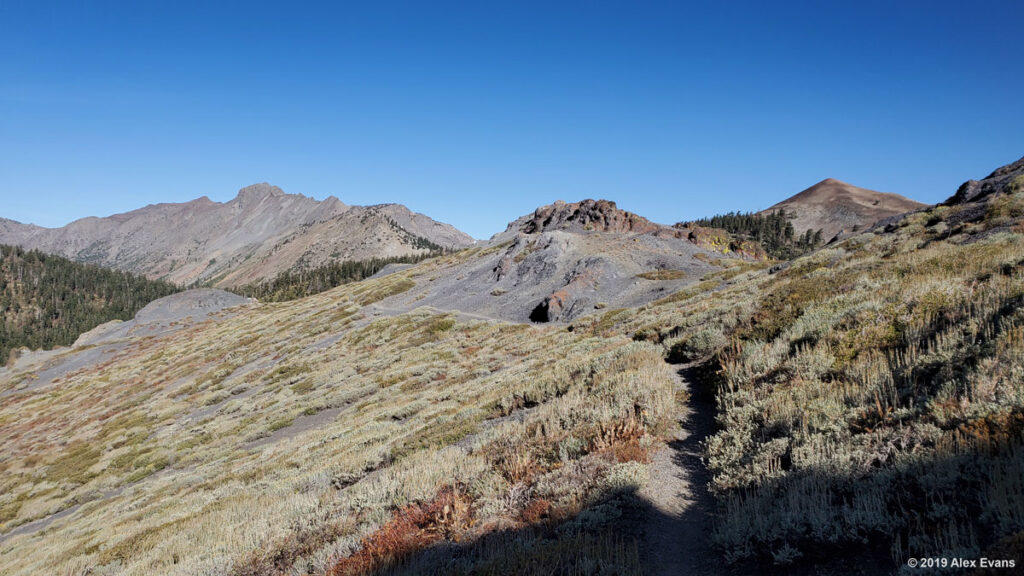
column 678, row 524
column 378, row 310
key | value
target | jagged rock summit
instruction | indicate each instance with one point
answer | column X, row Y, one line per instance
column 260, row 233
column 834, row 207
column 585, row 216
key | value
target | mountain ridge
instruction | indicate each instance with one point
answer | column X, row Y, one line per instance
column 239, row 241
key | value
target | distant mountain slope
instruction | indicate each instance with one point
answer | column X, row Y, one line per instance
column 256, row 236
column 47, row 301
column 833, row 207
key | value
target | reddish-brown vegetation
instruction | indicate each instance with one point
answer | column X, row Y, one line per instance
column 537, row 511
column 622, row 442
column 447, row 516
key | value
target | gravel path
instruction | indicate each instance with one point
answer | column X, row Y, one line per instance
column 678, row 524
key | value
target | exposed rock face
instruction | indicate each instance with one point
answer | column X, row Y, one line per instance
column 562, row 303
column 585, row 216
column 260, row 233
column 561, row 262
column 257, row 192
column 1008, row 179
column 835, row 207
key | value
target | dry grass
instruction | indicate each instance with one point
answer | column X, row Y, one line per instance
column 870, row 395
column 204, row 451
column 870, row 404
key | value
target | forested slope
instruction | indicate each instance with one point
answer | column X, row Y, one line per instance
column 773, row 231
column 47, row 300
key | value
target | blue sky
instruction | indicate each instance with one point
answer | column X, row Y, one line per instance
column 477, row 112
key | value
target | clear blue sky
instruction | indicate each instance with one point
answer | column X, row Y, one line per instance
column 477, row 112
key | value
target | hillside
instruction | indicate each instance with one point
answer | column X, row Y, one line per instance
column 566, row 260
column 773, row 231
column 292, row 285
column 47, row 301
column 834, row 207
column 261, row 233
column 869, row 400
column 862, row 405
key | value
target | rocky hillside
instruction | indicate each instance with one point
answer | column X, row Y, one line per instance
column 1006, row 180
column 869, row 398
column 566, row 260
column 256, row 236
column 214, row 436
column 835, row 207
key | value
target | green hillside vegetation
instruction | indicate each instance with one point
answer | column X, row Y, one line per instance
column 291, row 285
column 773, row 231
column 48, row 301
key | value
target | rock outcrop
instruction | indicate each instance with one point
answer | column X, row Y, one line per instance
column 562, row 303
column 586, row 216
column 563, row 261
column 1005, row 180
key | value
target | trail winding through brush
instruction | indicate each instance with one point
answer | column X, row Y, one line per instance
column 679, row 514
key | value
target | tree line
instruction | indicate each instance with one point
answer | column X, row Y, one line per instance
column 48, row 301
column 774, row 231
column 292, row 285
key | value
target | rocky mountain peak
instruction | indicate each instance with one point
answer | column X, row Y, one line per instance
column 584, row 216
column 836, row 207
column 259, row 191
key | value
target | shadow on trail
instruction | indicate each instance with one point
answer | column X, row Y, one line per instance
column 649, row 534
column 679, row 539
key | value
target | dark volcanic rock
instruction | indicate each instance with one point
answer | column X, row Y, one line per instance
column 564, row 261
column 1007, row 179
column 562, row 304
